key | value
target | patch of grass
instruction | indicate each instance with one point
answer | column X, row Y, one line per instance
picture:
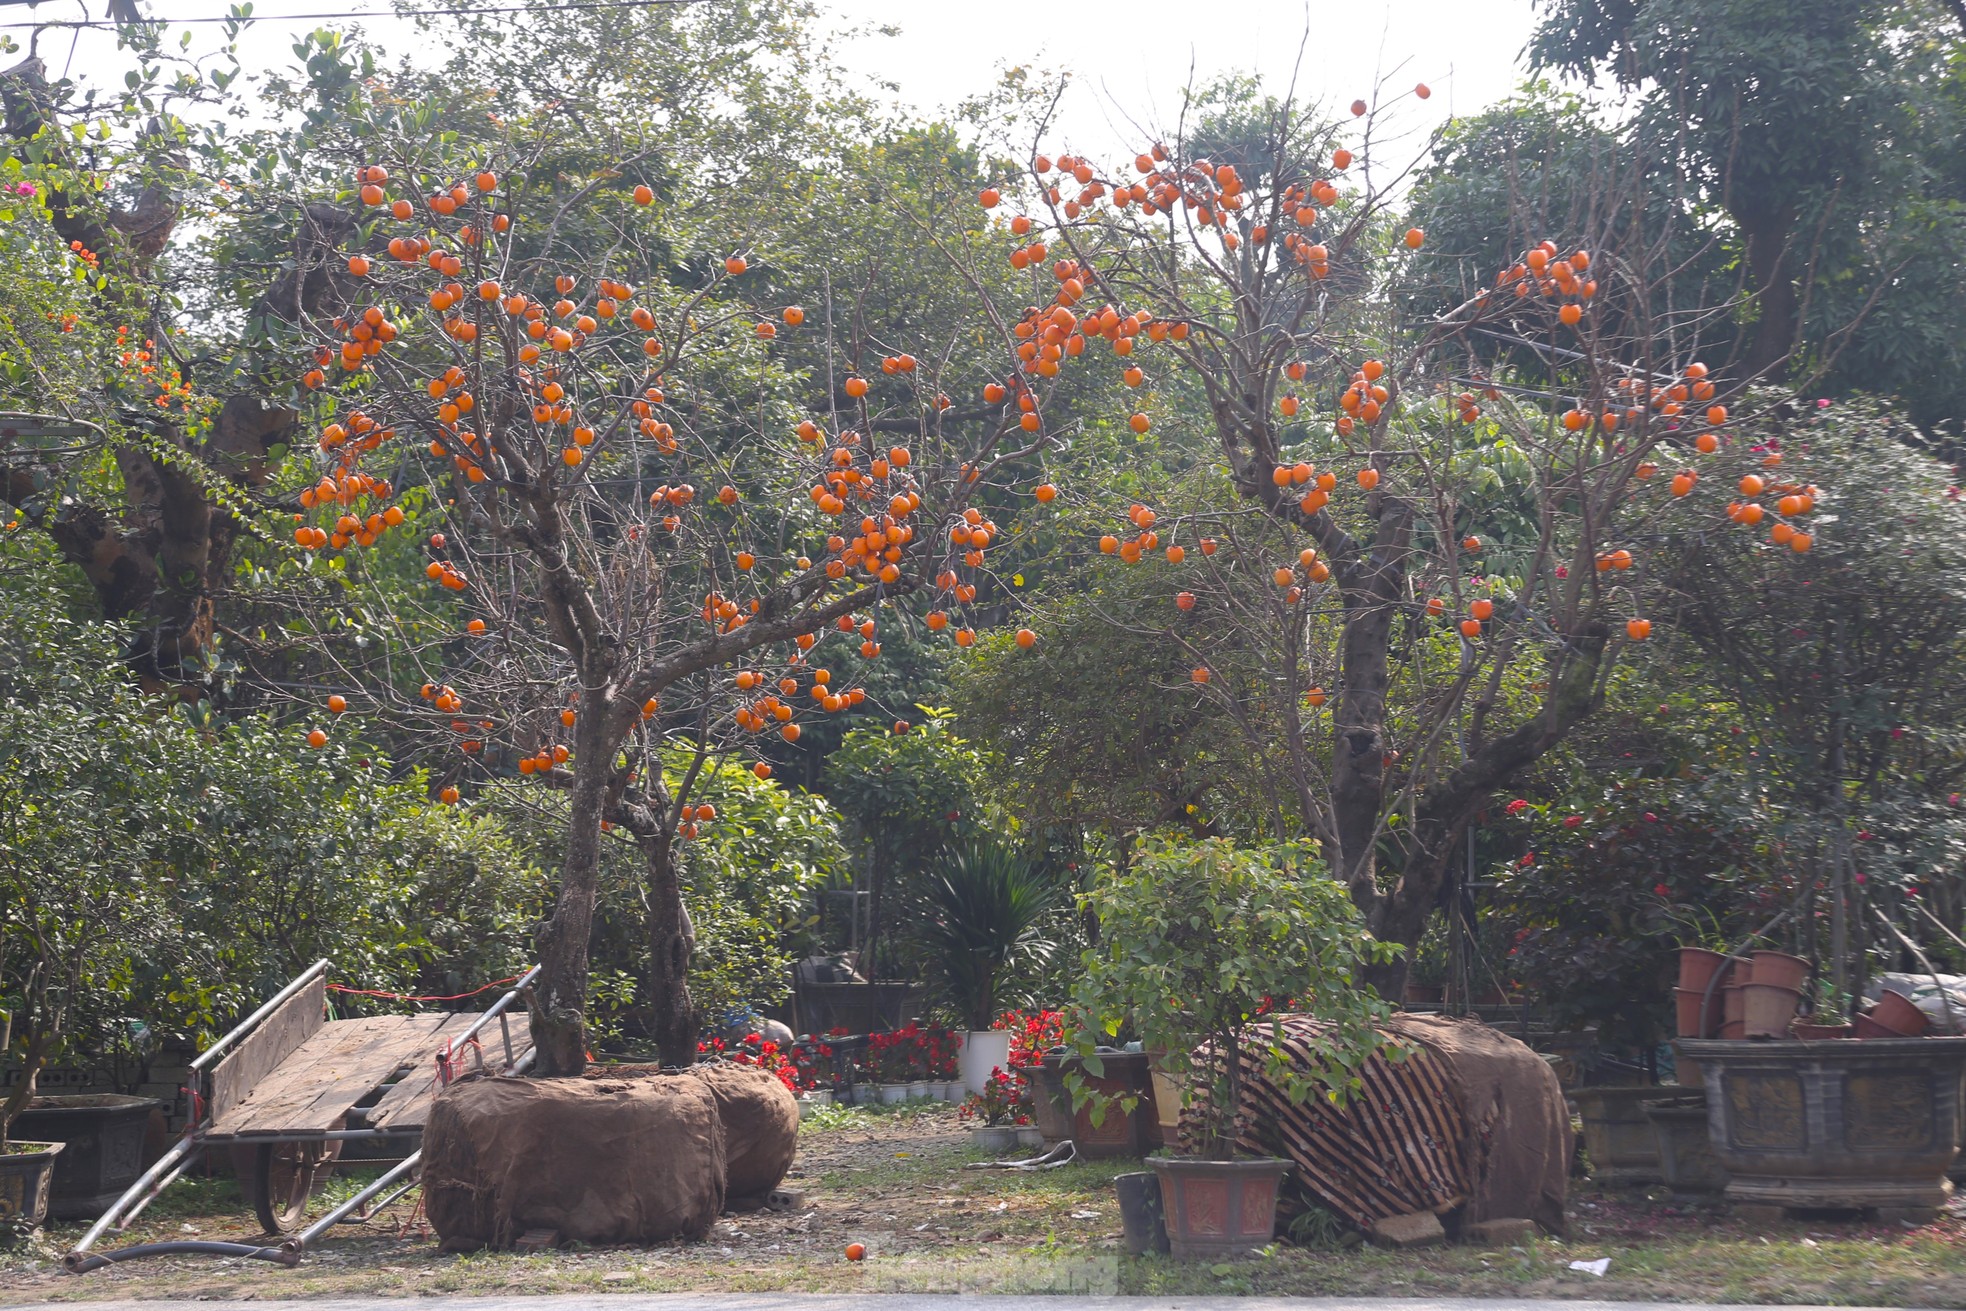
column 892, row 1178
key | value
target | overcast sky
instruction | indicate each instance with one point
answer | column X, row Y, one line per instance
column 1129, row 58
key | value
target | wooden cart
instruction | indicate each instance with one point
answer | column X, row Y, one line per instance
column 287, row 1088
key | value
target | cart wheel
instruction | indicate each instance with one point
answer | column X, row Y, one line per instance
column 284, row 1175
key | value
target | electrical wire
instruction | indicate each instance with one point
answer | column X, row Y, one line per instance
column 361, row 13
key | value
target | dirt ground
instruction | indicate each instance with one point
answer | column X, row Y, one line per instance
column 893, row 1179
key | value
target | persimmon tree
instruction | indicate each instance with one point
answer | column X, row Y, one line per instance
column 646, row 535
column 1452, row 561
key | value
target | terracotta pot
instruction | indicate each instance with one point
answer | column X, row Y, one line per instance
column 1900, row 1015
column 1780, row 968
column 1767, row 1009
column 1218, row 1208
column 1688, row 1002
column 1697, row 966
column 1818, row 1032
column 1733, row 1009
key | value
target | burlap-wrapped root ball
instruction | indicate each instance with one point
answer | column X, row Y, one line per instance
column 761, row 1127
column 600, row 1161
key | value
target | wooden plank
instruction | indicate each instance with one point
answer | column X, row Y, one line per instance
column 322, row 1099
column 260, row 1052
column 389, row 1049
column 301, row 1076
column 392, row 1043
column 407, row 1105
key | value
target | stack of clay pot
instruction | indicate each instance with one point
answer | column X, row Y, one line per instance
column 1756, row 995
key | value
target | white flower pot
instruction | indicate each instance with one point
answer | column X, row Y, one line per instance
column 982, row 1051
column 892, row 1094
column 952, row 1090
column 918, row 1089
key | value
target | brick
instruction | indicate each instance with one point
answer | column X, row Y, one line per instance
column 787, row 1199
column 537, row 1240
column 1500, row 1233
column 1420, row 1229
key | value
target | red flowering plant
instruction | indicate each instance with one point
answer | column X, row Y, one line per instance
column 813, row 1063
column 1032, row 1034
column 1000, row 1103
column 897, row 1056
column 753, row 1049
column 939, row 1045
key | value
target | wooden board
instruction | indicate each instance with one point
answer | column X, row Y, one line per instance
column 407, row 1105
column 315, row 1088
column 260, row 1052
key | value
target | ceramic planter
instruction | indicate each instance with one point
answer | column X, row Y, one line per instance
column 1119, row 1132
column 1005, row 1138
column 103, row 1135
column 1623, row 1149
column 27, row 1172
column 1215, row 1209
column 1871, row 1125
column 983, row 1050
column 1143, row 1222
column 893, row 1094
column 918, row 1089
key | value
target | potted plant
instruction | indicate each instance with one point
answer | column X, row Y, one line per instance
column 996, row 1115
column 1198, row 944
column 980, row 912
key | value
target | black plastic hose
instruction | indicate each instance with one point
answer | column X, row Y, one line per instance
column 81, row 1265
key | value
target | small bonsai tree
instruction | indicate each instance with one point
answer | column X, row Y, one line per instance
column 1209, row 942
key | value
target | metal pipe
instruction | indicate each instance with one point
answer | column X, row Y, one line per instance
column 136, row 1209
column 317, row 1136
column 80, row 1265
column 245, row 1025
column 497, row 1009
column 300, row 1241
column 385, row 1202
column 165, row 1165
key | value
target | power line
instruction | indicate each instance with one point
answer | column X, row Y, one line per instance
column 360, row 13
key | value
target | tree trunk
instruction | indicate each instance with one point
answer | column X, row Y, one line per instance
column 1775, row 295
column 671, row 944
column 558, row 1003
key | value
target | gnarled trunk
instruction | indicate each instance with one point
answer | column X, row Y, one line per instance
column 671, row 944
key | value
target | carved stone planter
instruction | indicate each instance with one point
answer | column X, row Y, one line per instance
column 1686, row 1159
column 1622, row 1147
column 1871, row 1125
